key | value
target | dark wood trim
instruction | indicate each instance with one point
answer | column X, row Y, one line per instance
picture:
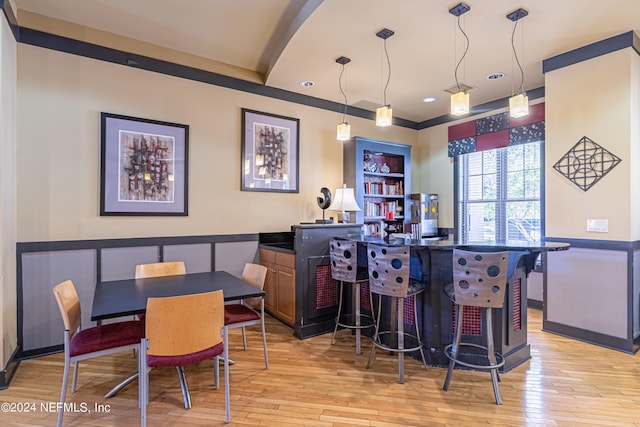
column 535, row 304
column 593, row 50
column 608, row 341
column 536, row 93
column 6, row 375
column 610, row 245
column 101, row 53
column 11, row 18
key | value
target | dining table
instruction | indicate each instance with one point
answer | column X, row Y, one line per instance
column 118, row 298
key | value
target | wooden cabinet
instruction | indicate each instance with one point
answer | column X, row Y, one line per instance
column 380, row 173
column 280, row 284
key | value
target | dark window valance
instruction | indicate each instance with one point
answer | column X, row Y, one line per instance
column 496, row 131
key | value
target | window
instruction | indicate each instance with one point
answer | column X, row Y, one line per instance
column 499, row 194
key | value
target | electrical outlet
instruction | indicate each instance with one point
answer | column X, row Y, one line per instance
column 598, row 225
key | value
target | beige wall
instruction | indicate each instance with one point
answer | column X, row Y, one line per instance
column 60, row 98
column 593, row 99
column 8, row 318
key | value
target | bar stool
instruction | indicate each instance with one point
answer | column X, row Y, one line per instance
column 344, row 269
column 479, row 280
column 389, row 277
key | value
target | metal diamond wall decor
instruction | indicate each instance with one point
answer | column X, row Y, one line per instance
column 586, row 163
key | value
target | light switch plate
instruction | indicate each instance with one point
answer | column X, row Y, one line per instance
column 598, row 225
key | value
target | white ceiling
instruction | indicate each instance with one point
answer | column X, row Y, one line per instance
column 288, row 41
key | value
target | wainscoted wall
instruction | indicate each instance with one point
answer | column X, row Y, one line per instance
column 43, row 265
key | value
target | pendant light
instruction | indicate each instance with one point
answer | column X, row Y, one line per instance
column 460, row 99
column 344, row 128
column 384, row 114
column 519, row 103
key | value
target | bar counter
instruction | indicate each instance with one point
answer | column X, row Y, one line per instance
column 432, row 262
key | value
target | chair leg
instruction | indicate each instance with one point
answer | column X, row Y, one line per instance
column 492, row 356
column 356, row 299
column 63, row 390
column 400, row 337
column 455, row 347
column 225, row 334
column 216, row 372
column 415, row 320
column 264, row 337
column 185, row 388
column 76, row 365
column 335, row 330
column 244, row 339
column 143, row 382
column 375, row 337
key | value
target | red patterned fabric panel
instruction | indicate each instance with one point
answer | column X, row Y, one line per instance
column 517, row 304
column 326, row 287
column 471, row 320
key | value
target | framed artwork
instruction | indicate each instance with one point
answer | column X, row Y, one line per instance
column 270, row 146
column 144, row 167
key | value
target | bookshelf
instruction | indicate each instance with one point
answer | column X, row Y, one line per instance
column 380, row 173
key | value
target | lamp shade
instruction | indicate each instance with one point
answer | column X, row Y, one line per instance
column 460, row 103
column 344, row 131
column 519, row 105
column 344, row 200
column 384, row 116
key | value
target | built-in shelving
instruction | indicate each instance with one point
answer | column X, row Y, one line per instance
column 380, row 173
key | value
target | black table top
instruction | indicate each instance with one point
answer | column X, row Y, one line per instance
column 128, row 297
column 509, row 245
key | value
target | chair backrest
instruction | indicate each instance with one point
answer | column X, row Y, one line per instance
column 158, row 269
column 388, row 269
column 69, row 305
column 343, row 254
column 480, row 278
column 254, row 274
column 184, row 324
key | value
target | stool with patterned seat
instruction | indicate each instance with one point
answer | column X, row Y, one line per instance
column 389, row 278
column 479, row 280
column 344, row 269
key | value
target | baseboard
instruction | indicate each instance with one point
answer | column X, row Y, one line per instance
column 608, row 341
column 535, row 304
column 9, row 370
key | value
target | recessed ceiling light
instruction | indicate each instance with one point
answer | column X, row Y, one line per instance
column 307, row 83
column 429, row 99
column 495, row 76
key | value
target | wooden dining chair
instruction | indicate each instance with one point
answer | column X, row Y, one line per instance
column 161, row 269
column 180, row 331
column 81, row 344
column 249, row 311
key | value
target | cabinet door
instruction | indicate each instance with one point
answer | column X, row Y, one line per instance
column 270, row 288
column 286, row 284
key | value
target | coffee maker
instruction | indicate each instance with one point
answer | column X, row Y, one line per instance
column 424, row 215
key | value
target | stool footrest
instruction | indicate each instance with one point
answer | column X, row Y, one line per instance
column 378, row 343
column 349, row 321
column 499, row 357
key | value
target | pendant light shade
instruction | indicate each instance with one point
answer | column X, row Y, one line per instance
column 343, row 130
column 384, row 114
column 460, row 103
column 460, row 99
column 519, row 103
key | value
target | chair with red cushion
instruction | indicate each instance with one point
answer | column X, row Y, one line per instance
column 245, row 313
column 81, row 344
column 180, row 331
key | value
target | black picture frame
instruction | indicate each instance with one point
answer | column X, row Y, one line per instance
column 270, row 152
column 143, row 167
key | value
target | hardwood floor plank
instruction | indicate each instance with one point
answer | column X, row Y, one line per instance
column 313, row 383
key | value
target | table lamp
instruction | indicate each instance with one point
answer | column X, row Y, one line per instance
column 344, row 201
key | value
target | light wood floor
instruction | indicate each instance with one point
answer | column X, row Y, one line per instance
column 311, row 383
